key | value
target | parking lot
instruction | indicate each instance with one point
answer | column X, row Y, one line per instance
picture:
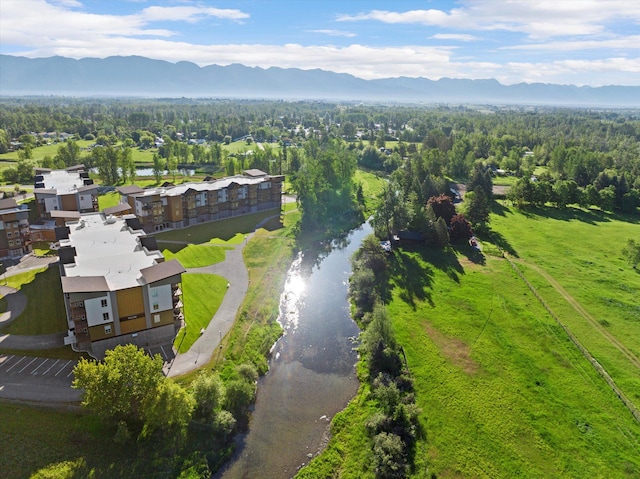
column 37, row 379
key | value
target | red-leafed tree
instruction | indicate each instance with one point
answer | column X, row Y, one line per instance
column 442, row 207
column 460, row 229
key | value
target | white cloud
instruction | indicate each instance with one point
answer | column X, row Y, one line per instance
column 536, row 18
column 462, row 37
column 334, row 33
column 189, row 13
column 631, row 42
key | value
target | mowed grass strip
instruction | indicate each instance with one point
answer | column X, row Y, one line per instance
column 582, row 251
column 196, row 256
column 45, row 311
column 503, row 391
column 203, row 294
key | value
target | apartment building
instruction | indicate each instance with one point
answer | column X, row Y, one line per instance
column 15, row 237
column 193, row 203
column 117, row 287
column 64, row 190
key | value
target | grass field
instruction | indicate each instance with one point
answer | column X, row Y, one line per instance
column 45, row 312
column 503, row 391
column 573, row 257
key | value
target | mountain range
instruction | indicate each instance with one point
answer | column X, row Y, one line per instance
column 144, row 77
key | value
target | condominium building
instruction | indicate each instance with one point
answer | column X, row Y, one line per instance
column 15, row 238
column 117, row 287
column 64, row 190
column 193, row 203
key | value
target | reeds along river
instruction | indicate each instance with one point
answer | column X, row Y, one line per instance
column 312, row 374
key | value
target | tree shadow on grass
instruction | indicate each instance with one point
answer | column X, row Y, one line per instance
column 414, row 278
column 445, row 260
column 499, row 240
column 499, row 209
column 472, row 254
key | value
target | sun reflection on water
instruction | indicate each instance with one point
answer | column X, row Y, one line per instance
column 294, row 290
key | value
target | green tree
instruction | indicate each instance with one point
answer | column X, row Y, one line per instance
column 172, row 166
column 158, row 167
column 480, row 179
column 122, row 386
column 68, row 153
column 477, row 208
column 209, row 393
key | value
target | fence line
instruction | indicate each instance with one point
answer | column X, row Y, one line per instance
column 585, row 352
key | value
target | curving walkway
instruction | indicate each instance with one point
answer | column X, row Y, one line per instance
column 16, row 302
column 233, row 270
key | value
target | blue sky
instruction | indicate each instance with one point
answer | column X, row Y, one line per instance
column 581, row 42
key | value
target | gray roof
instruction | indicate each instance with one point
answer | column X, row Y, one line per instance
column 128, row 190
column 8, row 203
column 119, row 208
column 161, row 271
column 72, row 215
column 83, row 284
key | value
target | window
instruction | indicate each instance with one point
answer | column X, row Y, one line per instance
column 9, row 234
column 103, row 303
column 105, row 316
column 10, row 242
column 154, row 293
column 107, row 329
column 82, row 198
column 156, row 318
column 156, row 307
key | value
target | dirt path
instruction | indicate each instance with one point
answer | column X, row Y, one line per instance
column 584, row 313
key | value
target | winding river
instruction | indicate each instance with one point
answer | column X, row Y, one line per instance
column 312, row 374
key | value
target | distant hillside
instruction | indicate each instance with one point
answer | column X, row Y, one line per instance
column 139, row 76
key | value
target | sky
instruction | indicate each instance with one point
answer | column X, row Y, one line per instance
column 579, row 42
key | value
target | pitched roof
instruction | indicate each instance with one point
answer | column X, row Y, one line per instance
column 162, row 271
column 72, row 215
column 119, row 208
column 128, row 190
column 83, row 284
column 8, row 203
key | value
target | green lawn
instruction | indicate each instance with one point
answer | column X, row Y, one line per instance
column 108, row 200
column 196, row 256
column 203, row 294
column 372, row 186
column 45, row 312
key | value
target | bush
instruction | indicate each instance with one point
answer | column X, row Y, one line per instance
column 388, row 456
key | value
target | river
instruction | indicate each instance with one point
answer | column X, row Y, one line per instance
column 312, row 373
